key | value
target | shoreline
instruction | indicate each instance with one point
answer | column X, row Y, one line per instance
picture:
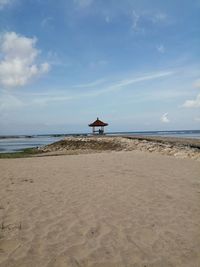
column 178, row 147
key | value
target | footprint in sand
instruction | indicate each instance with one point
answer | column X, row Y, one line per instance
column 93, row 232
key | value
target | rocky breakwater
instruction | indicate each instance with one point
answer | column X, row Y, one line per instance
column 76, row 145
column 180, row 148
column 177, row 147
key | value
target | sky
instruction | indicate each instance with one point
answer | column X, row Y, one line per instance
column 132, row 63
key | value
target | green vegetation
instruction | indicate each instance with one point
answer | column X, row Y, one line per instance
column 28, row 152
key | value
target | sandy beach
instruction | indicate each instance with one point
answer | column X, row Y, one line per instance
column 103, row 209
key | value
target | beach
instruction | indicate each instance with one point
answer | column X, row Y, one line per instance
column 114, row 208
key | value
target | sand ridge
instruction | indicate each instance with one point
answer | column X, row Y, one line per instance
column 106, row 209
column 177, row 147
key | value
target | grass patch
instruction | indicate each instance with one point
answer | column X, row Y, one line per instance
column 27, row 152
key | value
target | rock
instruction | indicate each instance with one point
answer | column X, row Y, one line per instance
column 181, row 155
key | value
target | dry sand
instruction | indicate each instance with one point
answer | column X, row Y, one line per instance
column 102, row 210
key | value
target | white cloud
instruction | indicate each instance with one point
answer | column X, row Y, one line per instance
column 197, row 119
column 107, row 19
column 102, row 86
column 4, row 3
column 161, row 49
column 159, row 17
column 118, row 85
column 142, row 78
column 192, row 103
column 65, row 95
column 164, row 118
column 9, row 102
column 18, row 65
column 99, row 63
column 46, row 21
column 148, row 18
column 91, row 84
column 83, row 3
column 197, row 84
column 136, row 18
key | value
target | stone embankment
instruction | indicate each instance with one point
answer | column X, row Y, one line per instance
column 180, row 148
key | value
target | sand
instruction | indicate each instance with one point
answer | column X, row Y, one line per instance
column 105, row 209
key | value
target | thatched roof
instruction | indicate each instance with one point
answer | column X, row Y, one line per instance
column 98, row 123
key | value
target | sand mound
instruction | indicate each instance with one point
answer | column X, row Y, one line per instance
column 167, row 146
column 85, row 143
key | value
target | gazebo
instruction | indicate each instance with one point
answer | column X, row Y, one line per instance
column 99, row 124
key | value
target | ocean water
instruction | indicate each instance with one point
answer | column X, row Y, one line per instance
column 8, row 145
column 19, row 143
column 193, row 134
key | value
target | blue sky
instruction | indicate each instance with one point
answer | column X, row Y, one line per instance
column 134, row 64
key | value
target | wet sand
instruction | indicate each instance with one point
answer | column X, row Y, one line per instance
column 106, row 209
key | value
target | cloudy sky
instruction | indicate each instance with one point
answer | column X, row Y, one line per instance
column 133, row 63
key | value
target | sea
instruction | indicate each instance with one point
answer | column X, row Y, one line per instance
column 11, row 144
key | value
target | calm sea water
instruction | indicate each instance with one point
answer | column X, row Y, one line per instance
column 21, row 142
column 194, row 134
